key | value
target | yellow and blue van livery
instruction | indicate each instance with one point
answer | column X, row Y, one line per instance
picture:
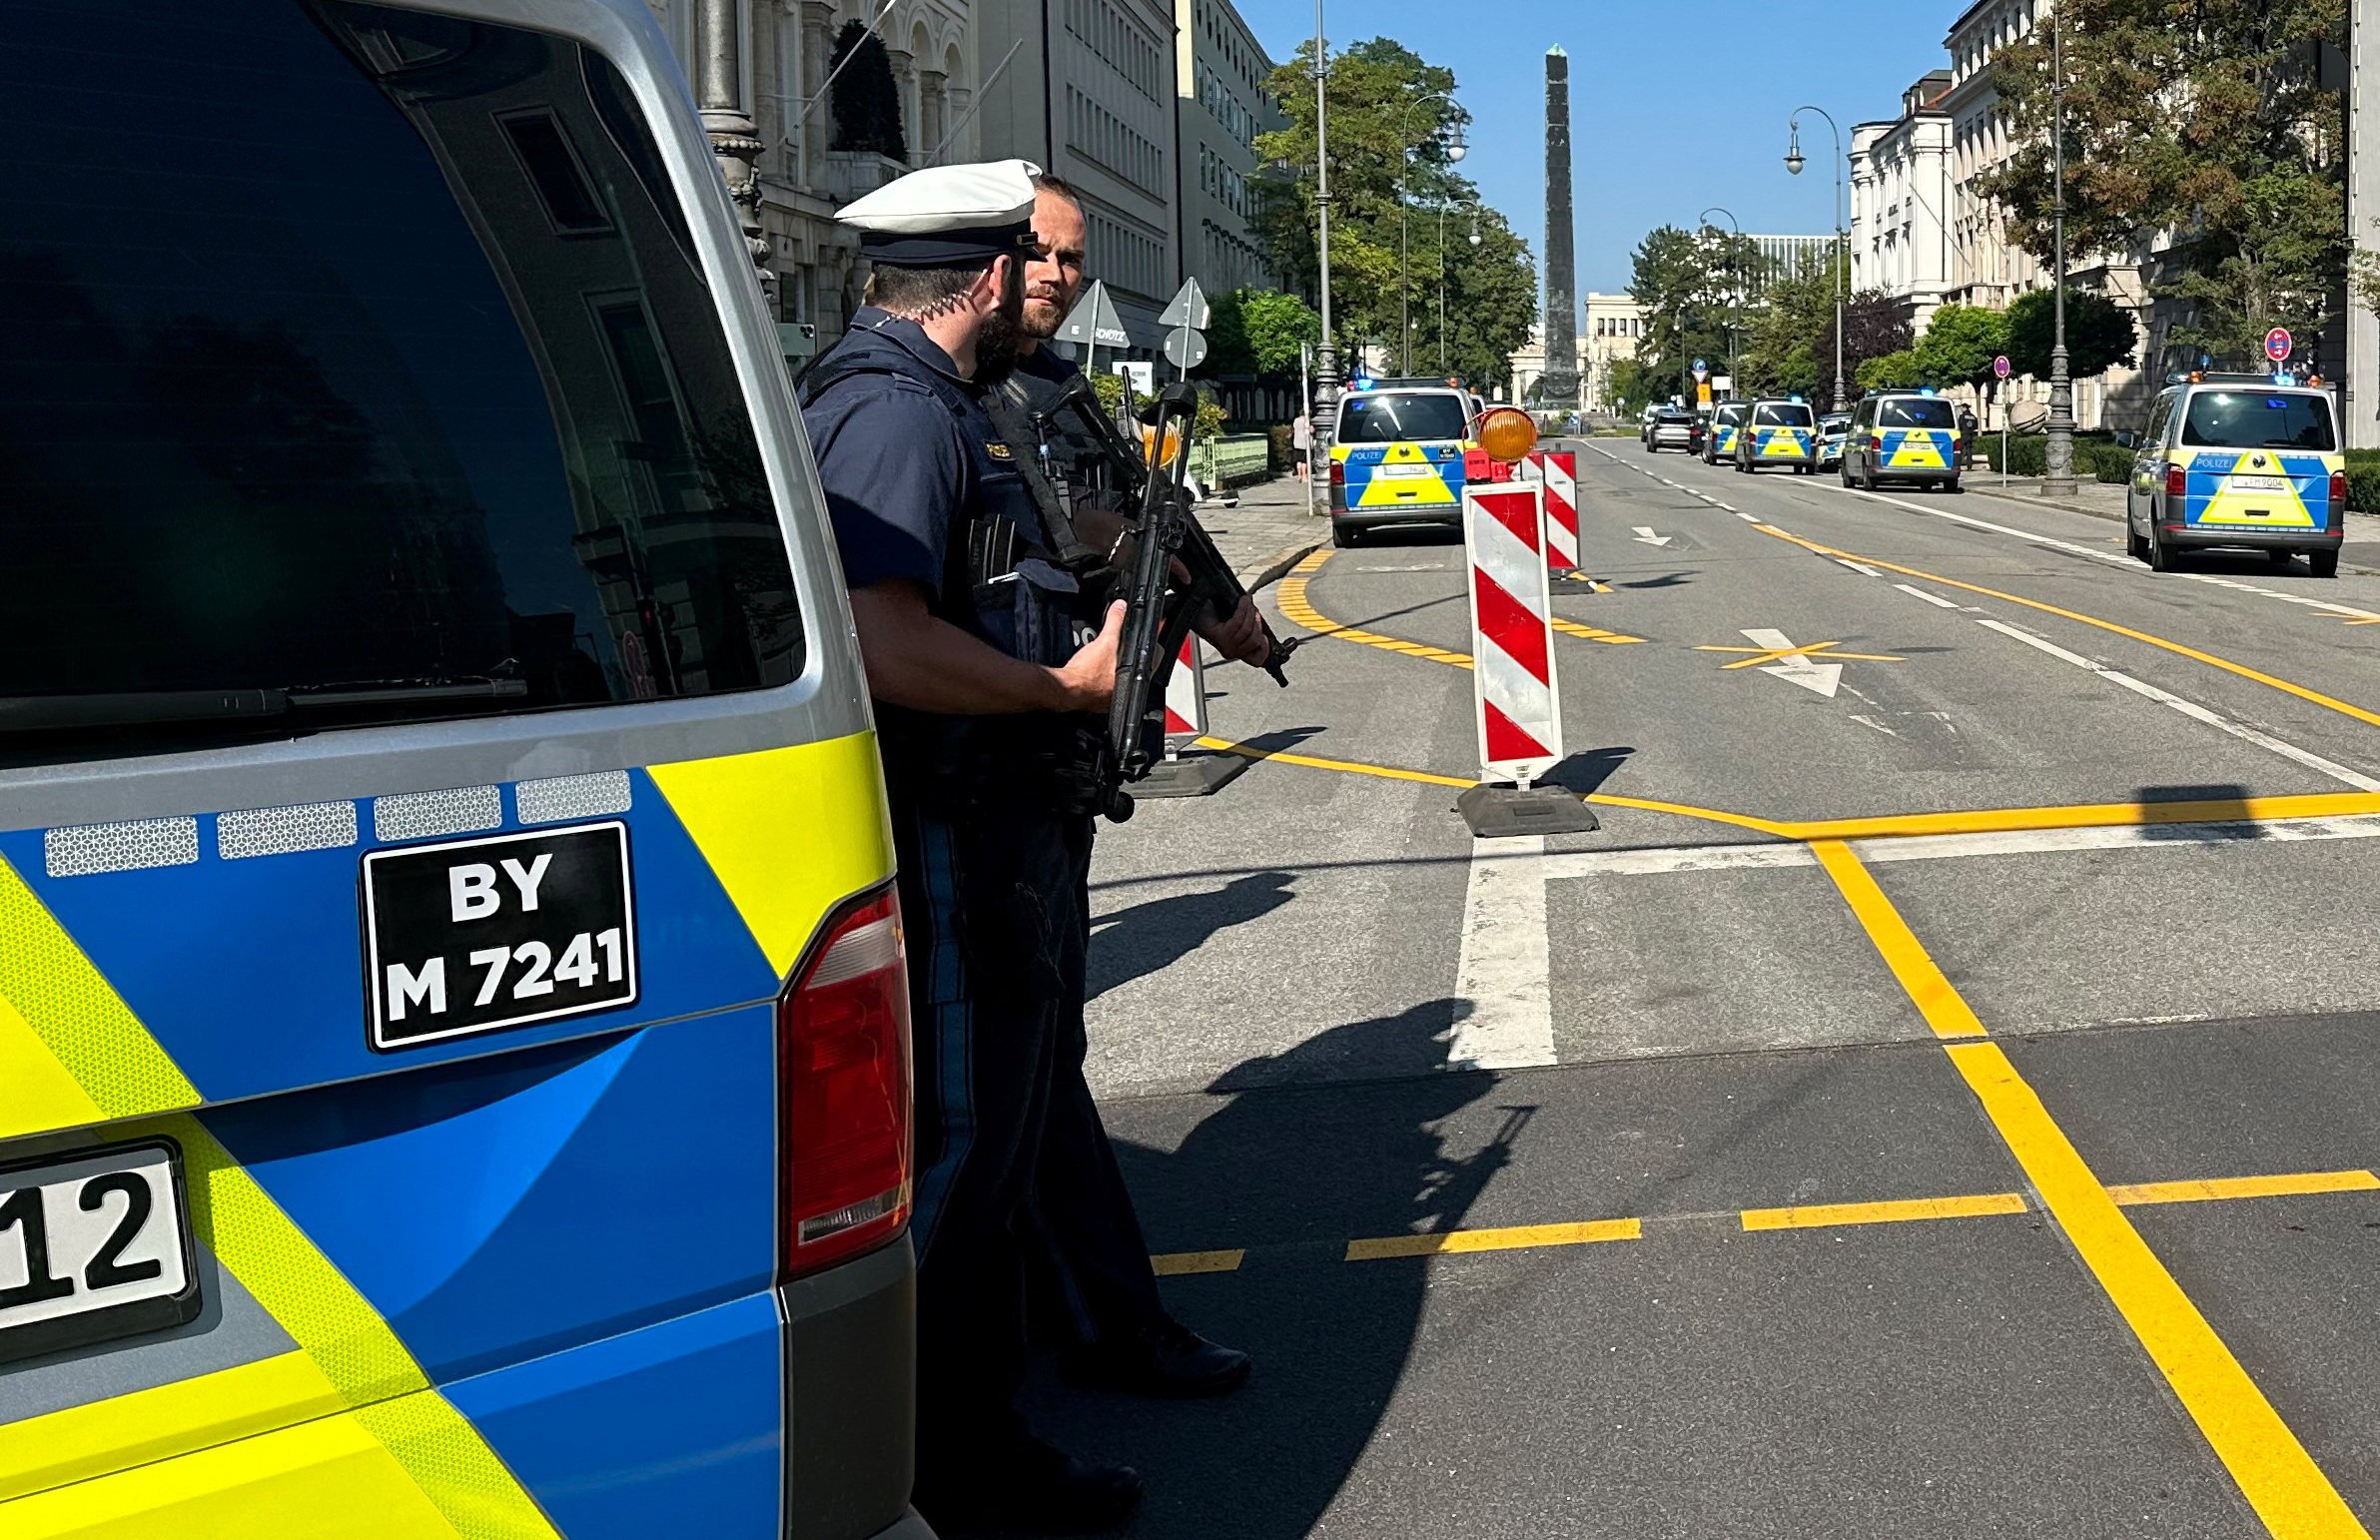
column 2238, row 460
column 1908, row 437
column 1778, row 433
column 1397, row 457
column 453, row 1014
column 1727, row 426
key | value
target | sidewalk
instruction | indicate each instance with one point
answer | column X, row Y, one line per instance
column 2100, row 499
column 1269, row 532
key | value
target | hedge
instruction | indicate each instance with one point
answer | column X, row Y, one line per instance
column 2028, row 455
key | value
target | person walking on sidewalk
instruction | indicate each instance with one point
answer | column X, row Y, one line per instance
column 1301, row 440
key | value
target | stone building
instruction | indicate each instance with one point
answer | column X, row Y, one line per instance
column 1900, row 201
column 1608, row 333
column 1220, row 70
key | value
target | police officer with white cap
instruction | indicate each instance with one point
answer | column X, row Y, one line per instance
column 990, row 691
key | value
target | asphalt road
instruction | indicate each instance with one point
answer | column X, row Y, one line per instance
column 1937, row 1102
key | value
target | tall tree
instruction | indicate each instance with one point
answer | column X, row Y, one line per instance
column 2100, row 333
column 2204, row 118
column 1686, row 313
column 866, row 103
column 1789, row 343
column 1960, row 345
column 1875, row 325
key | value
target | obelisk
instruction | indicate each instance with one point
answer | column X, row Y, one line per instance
column 1560, row 385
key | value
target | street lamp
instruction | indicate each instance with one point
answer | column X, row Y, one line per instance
column 1325, row 412
column 2057, row 479
column 1450, row 141
column 1794, row 162
column 1735, row 289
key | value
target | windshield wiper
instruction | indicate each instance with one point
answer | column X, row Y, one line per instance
column 141, row 708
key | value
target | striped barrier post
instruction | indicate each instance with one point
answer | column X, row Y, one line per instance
column 1558, row 470
column 1517, row 695
column 1187, row 771
column 1185, row 700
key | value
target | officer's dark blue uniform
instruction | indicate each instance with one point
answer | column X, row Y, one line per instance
column 991, row 854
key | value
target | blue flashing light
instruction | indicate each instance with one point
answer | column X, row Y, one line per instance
column 1796, row 400
column 1926, row 390
column 2282, row 377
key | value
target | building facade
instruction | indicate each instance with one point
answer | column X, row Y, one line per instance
column 1089, row 89
column 1220, row 71
column 1901, row 190
column 1608, row 333
column 1783, row 257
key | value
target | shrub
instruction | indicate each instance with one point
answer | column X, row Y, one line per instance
column 2363, row 487
column 1279, row 451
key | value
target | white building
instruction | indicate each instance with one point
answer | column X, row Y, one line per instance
column 1901, row 188
column 1088, row 89
column 1220, row 71
column 1608, row 332
column 1784, row 257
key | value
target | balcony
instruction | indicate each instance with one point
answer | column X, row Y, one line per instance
column 852, row 173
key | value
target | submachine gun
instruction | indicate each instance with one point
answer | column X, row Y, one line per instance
column 1158, row 613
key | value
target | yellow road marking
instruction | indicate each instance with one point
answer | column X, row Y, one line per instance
column 1591, row 632
column 2289, row 1493
column 1175, row 1264
column 2218, row 1188
column 1297, row 609
column 2179, row 649
column 1809, row 649
column 1349, row 766
column 2098, row 815
column 1890, row 1211
column 1513, row 1237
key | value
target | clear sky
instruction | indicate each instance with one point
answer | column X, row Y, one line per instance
column 1675, row 105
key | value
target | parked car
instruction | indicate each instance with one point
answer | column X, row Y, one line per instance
column 2240, row 460
column 1831, row 431
column 1674, row 427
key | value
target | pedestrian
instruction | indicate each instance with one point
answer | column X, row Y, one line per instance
column 1969, row 436
column 990, row 701
column 1097, row 1262
column 1301, row 442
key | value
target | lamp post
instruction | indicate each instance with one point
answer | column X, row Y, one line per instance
column 1450, row 137
column 1794, row 162
column 2057, row 479
column 1735, row 282
column 1323, row 414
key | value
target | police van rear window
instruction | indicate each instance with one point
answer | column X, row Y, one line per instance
column 1390, row 416
column 1786, row 416
column 2258, row 420
column 405, row 398
column 1915, row 411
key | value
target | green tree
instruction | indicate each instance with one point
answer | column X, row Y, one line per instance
column 1390, row 116
column 866, row 104
column 1789, row 341
column 1959, row 343
column 1875, row 325
column 1681, row 279
column 2204, row 118
column 2100, row 333
column 1637, row 385
column 1899, row 370
column 1259, row 333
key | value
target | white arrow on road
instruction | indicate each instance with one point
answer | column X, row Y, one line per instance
column 1646, row 537
column 1795, row 668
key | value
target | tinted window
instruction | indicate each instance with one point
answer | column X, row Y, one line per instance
column 418, row 382
column 1732, row 413
column 1915, row 411
column 1786, row 416
column 1394, row 414
column 2257, row 419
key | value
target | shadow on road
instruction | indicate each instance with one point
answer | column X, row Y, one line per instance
column 1585, row 773
column 2220, row 802
column 1161, row 932
column 1284, row 1162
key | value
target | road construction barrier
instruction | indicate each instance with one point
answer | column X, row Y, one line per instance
column 1517, row 700
column 1185, row 700
column 1558, row 470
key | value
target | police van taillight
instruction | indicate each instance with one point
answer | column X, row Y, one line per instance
column 2178, row 479
column 2338, row 490
column 843, row 1088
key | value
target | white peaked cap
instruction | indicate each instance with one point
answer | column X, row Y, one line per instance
column 947, row 215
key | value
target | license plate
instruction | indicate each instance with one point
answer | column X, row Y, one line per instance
column 93, row 1245
column 2258, row 483
column 479, row 935
column 1398, row 473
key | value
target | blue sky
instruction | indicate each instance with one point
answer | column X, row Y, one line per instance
column 1675, row 105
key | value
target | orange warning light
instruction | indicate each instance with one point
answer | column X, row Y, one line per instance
column 1507, row 433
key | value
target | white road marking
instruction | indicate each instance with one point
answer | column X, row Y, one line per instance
column 1819, row 678
column 1749, row 518
column 1859, row 568
column 1934, row 599
column 2190, row 708
column 1504, row 969
column 1573, row 865
column 1646, row 537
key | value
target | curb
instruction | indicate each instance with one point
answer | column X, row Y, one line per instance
column 1269, row 572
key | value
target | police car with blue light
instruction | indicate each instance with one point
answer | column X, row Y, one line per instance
column 2242, row 460
column 1905, row 437
column 1397, row 457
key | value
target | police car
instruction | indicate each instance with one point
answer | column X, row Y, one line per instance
column 1777, row 432
column 453, row 1033
column 1727, row 426
column 2247, row 461
column 1905, row 437
column 1396, row 457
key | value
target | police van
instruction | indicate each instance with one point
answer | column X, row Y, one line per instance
column 1905, row 437
column 453, row 1067
column 1727, row 426
column 1397, row 457
column 1778, row 433
column 2246, row 461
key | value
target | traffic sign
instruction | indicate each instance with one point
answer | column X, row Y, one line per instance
column 1094, row 321
column 1187, row 308
column 1185, row 350
column 1699, row 367
column 2276, row 344
column 2000, row 367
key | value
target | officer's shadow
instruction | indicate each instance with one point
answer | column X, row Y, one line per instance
column 1153, row 935
column 1295, row 1164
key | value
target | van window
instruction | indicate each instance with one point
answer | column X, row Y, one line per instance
column 1732, row 412
column 1389, row 415
column 1786, row 415
column 418, row 403
column 1915, row 411
column 2257, row 419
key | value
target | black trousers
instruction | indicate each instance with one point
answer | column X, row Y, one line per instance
column 996, row 909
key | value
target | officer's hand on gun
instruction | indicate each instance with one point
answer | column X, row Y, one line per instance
column 1087, row 679
column 1240, row 637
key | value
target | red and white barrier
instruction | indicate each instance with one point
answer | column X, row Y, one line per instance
column 1514, row 688
column 1185, row 700
column 1558, row 470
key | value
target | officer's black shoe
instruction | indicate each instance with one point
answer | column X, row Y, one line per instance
column 1164, row 1360
column 1036, row 1489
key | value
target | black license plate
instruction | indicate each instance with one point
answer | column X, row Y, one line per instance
column 479, row 935
column 94, row 1245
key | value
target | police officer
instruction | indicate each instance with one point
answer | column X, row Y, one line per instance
column 1096, row 1261
column 985, row 689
